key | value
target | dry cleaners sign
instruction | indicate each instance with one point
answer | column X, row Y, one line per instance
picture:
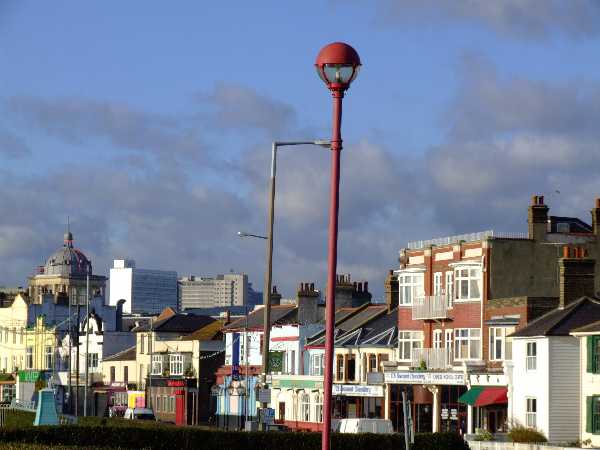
column 417, row 377
column 357, row 390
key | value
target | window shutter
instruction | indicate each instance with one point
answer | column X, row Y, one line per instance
column 589, row 414
column 590, row 353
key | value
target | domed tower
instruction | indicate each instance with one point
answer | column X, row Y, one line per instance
column 64, row 276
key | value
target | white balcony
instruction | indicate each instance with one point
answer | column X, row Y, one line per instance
column 430, row 307
column 432, row 358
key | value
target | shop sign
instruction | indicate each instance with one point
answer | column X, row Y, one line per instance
column 296, row 384
column 453, row 414
column 421, row 377
column 175, row 383
column 444, row 413
column 31, row 376
column 357, row 390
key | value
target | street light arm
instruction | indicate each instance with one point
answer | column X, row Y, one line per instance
column 243, row 234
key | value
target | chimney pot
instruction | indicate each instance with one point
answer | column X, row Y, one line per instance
column 367, row 285
column 312, row 287
column 566, row 251
column 598, row 203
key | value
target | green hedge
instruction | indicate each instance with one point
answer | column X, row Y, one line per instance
column 18, row 419
column 169, row 437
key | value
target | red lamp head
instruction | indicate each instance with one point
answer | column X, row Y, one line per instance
column 337, row 65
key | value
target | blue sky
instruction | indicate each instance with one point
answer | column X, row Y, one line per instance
column 149, row 124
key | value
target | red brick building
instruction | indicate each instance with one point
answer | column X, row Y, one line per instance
column 459, row 298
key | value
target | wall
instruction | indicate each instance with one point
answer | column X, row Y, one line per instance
column 564, row 389
column 530, row 383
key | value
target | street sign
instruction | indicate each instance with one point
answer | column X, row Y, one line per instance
column 264, row 395
column 267, row 415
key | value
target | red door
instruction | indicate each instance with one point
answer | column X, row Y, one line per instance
column 180, row 409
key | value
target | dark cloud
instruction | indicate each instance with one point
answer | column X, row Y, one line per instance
column 527, row 19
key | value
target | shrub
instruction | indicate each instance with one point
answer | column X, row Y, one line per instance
column 140, row 435
column 483, row 435
column 519, row 433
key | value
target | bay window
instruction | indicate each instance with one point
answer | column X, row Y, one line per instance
column 407, row 342
column 467, row 343
column 411, row 287
column 467, row 283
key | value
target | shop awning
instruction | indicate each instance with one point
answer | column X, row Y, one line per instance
column 484, row 395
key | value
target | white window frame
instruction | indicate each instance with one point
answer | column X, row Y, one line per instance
column 450, row 288
column 497, row 335
column 438, row 287
column 316, row 364
column 29, row 357
column 92, row 360
column 466, row 277
column 49, row 357
column 472, row 337
column 318, row 408
column 437, row 338
column 449, row 339
column 407, row 342
column 410, row 286
column 175, row 364
column 305, row 407
column 531, row 356
column 156, row 365
column 531, row 412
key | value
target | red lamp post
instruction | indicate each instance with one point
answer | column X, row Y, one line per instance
column 337, row 65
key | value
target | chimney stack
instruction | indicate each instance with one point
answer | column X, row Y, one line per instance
column 577, row 272
column 391, row 290
column 275, row 297
column 538, row 218
column 308, row 304
column 596, row 218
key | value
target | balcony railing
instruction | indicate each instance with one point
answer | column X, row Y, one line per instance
column 430, row 307
column 432, row 358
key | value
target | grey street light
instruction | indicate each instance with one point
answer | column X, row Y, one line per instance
column 269, row 238
column 269, row 270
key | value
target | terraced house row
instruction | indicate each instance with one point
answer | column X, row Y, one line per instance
column 478, row 330
column 465, row 317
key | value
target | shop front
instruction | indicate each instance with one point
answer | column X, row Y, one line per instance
column 174, row 400
column 487, row 400
column 358, row 401
column 433, row 399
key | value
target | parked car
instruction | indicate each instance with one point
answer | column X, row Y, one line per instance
column 378, row 426
column 139, row 414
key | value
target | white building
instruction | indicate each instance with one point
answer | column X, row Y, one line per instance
column 589, row 346
column 222, row 291
column 144, row 291
column 545, row 384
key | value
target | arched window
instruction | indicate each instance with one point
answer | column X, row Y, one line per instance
column 318, row 408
